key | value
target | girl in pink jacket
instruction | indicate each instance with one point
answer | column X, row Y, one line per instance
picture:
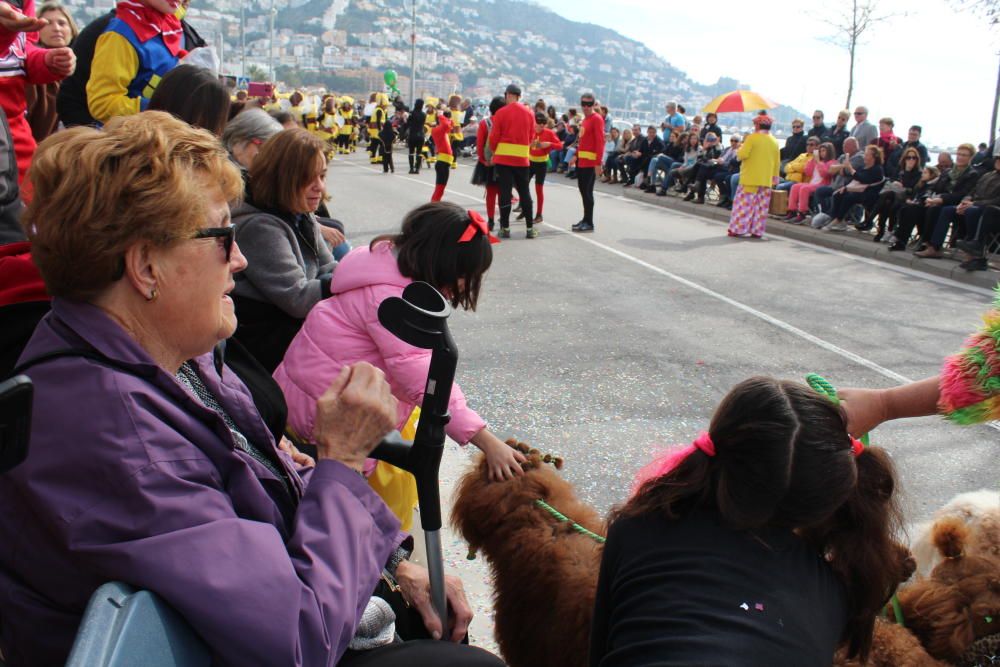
column 816, row 175
column 439, row 243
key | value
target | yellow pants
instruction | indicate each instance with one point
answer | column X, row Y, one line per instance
column 397, row 487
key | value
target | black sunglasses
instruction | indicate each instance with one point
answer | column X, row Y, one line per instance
column 586, row 103
column 227, row 234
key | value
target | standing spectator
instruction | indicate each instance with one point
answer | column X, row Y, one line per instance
column 143, row 42
column 863, row 130
column 759, row 160
column 863, row 188
column 711, row 125
column 41, row 98
column 588, row 158
column 888, row 142
column 795, row 144
column 510, row 142
column 838, row 132
column 912, row 141
column 816, row 174
column 818, row 129
column 673, row 120
column 26, row 64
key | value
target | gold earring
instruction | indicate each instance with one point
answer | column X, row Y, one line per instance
column 152, row 295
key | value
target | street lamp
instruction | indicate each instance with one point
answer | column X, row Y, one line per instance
column 243, row 39
column 270, row 55
column 413, row 54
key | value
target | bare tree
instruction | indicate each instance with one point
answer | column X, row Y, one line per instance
column 851, row 24
column 989, row 10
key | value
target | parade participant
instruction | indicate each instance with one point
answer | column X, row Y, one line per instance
column 485, row 172
column 415, row 136
column 759, row 158
column 142, row 42
column 445, row 158
column 431, row 114
column 456, row 137
column 346, row 121
column 438, row 243
column 22, row 63
column 386, row 136
column 375, row 123
column 510, row 142
column 545, row 142
column 773, row 535
column 328, row 125
column 297, row 108
column 588, row 159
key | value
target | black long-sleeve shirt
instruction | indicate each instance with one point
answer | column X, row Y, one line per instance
column 695, row 592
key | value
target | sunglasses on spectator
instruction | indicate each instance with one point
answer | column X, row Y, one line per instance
column 817, row 117
column 796, row 127
column 859, row 113
column 910, row 157
column 586, row 103
column 227, row 234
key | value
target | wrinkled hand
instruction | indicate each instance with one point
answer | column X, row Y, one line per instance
column 415, row 585
column 353, row 415
column 13, row 20
column 331, row 235
column 61, row 61
column 298, row 457
column 865, row 409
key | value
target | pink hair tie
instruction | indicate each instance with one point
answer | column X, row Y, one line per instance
column 857, row 447
column 704, row 443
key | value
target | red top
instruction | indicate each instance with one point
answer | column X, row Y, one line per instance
column 510, row 140
column 482, row 136
column 542, row 154
column 590, row 145
column 440, row 136
column 20, row 280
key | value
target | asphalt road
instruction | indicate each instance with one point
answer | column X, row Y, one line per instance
column 603, row 347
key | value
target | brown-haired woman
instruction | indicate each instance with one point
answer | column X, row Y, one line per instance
column 195, row 95
column 892, row 197
column 769, row 540
column 290, row 262
column 439, row 243
column 863, row 188
column 41, row 98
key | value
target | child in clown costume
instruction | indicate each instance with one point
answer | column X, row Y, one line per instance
column 142, row 43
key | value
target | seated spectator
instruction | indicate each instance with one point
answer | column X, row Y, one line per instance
column 815, row 175
column 716, row 169
column 728, row 172
column 981, row 160
column 569, row 147
column 951, row 188
column 41, row 98
column 945, row 163
column 966, row 213
column 708, row 159
column 863, row 130
column 841, row 176
column 863, row 188
column 818, row 129
column 772, row 535
column 195, row 95
column 838, row 132
column 795, row 144
column 24, row 64
column 912, row 141
column 914, row 210
column 979, row 237
column 174, row 484
column 290, row 264
column 795, row 168
column 612, row 149
column 692, row 151
column 637, row 161
column 897, row 191
column 711, row 125
column 245, row 134
column 672, row 153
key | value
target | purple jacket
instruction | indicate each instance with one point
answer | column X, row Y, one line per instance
column 130, row 478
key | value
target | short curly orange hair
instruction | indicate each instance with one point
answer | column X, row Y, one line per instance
column 144, row 177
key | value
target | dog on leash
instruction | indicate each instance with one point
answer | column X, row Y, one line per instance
column 544, row 569
column 979, row 511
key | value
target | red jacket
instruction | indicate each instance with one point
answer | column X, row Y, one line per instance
column 510, row 140
column 542, row 154
column 590, row 145
column 482, row 136
column 441, row 141
column 25, row 63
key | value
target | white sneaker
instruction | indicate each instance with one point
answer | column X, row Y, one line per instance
column 820, row 220
column 837, row 227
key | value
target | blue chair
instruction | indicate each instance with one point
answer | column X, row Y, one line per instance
column 125, row 627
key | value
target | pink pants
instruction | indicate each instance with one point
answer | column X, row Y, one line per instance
column 798, row 198
column 749, row 212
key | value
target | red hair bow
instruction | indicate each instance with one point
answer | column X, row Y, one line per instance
column 857, row 447
column 476, row 224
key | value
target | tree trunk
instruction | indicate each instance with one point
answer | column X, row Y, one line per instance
column 850, row 76
column 996, row 107
column 852, row 45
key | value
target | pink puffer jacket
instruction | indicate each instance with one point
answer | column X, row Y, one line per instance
column 344, row 329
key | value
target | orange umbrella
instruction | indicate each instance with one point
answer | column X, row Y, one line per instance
column 738, row 100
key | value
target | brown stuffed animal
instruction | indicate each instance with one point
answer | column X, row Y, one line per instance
column 544, row 570
column 955, row 613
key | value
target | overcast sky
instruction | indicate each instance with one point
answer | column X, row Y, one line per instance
column 932, row 67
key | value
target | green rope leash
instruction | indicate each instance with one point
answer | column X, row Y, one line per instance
column 820, row 385
column 562, row 517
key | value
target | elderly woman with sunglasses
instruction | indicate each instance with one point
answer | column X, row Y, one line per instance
column 149, row 463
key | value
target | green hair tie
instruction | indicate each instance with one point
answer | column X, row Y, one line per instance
column 821, row 386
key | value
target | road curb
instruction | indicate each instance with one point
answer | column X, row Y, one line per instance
column 850, row 242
